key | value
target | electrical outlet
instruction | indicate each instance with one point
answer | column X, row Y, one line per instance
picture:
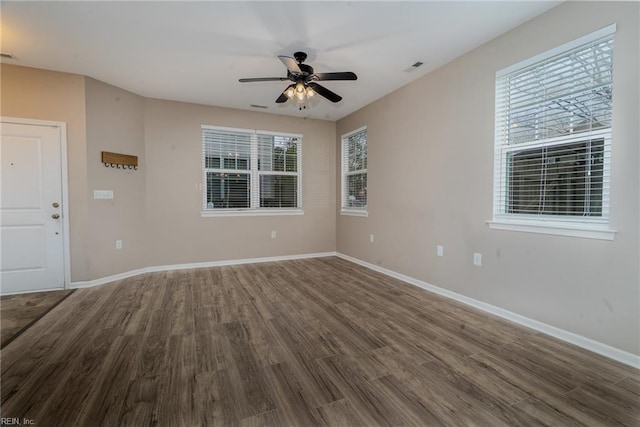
column 477, row 259
column 371, row 238
column 440, row 250
column 273, row 234
column 118, row 244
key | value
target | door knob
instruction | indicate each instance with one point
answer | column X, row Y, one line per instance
column 55, row 204
column 55, row 216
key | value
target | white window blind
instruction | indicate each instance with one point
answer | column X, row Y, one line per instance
column 553, row 133
column 354, row 170
column 245, row 170
column 278, row 171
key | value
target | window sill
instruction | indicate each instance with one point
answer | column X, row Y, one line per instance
column 251, row 212
column 354, row 213
column 558, row 228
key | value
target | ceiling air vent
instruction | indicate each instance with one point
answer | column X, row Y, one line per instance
column 259, row 106
column 414, row 66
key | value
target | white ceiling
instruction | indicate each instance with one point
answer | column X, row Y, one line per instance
column 197, row 51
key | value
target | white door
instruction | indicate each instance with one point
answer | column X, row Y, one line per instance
column 31, row 226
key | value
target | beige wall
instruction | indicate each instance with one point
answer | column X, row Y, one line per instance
column 430, row 182
column 115, row 123
column 176, row 232
column 156, row 209
column 47, row 95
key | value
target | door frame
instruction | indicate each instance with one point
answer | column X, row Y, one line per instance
column 62, row 130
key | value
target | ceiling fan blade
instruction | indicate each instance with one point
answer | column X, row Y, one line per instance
column 346, row 75
column 290, row 63
column 264, row 79
column 283, row 97
column 321, row 90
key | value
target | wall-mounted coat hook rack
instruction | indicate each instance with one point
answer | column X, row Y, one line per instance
column 119, row 161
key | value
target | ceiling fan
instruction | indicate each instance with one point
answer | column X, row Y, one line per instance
column 304, row 80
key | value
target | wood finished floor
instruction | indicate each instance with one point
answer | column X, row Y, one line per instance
column 298, row 343
column 17, row 312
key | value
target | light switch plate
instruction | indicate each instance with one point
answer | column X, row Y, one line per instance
column 102, row 194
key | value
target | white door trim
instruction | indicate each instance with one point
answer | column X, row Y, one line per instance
column 62, row 129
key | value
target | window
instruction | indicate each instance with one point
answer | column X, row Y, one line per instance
column 553, row 139
column 246, row 171
column 354, row 172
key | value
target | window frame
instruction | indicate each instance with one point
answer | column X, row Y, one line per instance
column 596, row 227
column 344, row 173
column 254, row 176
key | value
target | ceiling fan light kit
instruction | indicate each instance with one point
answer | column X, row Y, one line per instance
column 304, row 80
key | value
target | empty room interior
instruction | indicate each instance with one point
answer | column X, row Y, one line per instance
column 320, row 213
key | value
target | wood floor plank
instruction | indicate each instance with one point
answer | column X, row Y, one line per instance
column 265, row 419
column 140, row 402
column 454, row 400
column 401, row 339
column 257, row 289
column 152, row 358
column 247, row 375
column 177, row 387
column 36, row 390
column 529, row 379
column 107, row 395
column 620, row 406
column 141, row 316
column 340, row 414
column 73, row 392
column 370, row 405
column 180, row 308
column 291, row 399
column 588, row 367
column 212, row 352
column 631, row 386
column 58, row 336
column 215, row 405
column 397, row 394
column 301, row 339
column 298, row 343
column 473, row 375
column 535, row 366
column 568, row 410
column 266, row 351
column 19, row 311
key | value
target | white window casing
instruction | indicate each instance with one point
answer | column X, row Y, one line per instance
column 250, row 172
column 552, row 163
column 354, row 197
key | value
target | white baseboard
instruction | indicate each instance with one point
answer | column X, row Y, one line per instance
column 583, row 342
column 132, row 273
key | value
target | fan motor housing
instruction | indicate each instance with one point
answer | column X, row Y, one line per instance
column 307, row 70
